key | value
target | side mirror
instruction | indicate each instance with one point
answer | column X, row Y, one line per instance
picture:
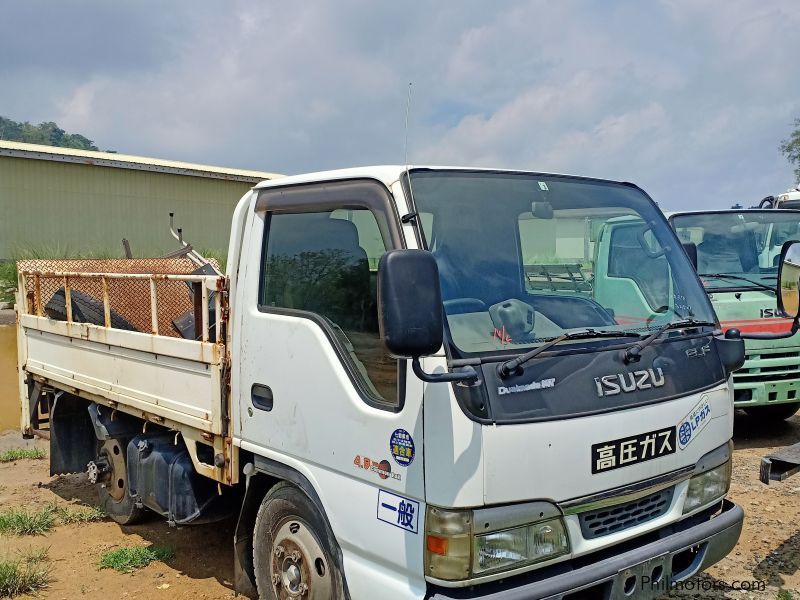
column 410, row 312
column 691, row 251
column 788, row 279
column 410, row 303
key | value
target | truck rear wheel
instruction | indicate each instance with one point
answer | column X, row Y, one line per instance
column 110, row 476
column 777, row 412
column 293, row 550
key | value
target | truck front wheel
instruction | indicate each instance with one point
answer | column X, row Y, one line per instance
column 293, row 550
column 777, row 412
column 110, row 476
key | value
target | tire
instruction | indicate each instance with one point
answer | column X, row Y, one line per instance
column 777, row 412
column 293, row 547
column 85, row 309
column 112, row 493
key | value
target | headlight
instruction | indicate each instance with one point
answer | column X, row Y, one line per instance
column 454, row 552
column 707, row 487
column 515, row 547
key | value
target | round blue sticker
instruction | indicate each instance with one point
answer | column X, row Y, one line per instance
column 401, row 445
column 685, row 433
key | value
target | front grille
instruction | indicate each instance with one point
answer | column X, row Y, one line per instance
column 611, row 519
column 760, row 368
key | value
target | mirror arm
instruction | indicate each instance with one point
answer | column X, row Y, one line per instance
column 773, row 336
column 467, row 373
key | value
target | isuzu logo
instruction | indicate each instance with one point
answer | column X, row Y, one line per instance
column 611, row 385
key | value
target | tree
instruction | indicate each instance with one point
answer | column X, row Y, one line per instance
column 791, row 149
column 47, row 134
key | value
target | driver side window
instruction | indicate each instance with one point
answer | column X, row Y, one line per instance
column 325, row 263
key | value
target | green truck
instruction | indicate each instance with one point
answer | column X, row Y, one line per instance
column 737, row 253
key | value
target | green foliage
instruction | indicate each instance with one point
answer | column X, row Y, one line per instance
column 82, row 514
column 47, row 134
column 21, row 454
column 784, row 595
column 26, row 574
column 8, row 279
column 127, row 560
column 790, row 148
column 22, row 522
column 221, row 256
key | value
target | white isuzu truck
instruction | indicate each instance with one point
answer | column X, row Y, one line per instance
column 411, row 383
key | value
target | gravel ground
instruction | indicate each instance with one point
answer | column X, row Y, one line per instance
column 767, row 558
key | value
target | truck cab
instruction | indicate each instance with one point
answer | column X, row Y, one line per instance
column 524, row 478
column 423, row 382
column 738, row 254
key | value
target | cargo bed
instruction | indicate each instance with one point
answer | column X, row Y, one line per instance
column 113, row 337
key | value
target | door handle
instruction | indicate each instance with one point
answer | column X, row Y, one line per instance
column 261, row 397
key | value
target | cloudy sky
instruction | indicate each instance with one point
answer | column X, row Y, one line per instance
column 688, row 99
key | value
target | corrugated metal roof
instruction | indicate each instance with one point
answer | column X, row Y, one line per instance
column 127, row 161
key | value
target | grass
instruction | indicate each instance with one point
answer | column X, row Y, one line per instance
column 127, row 560
column 8, row 279
column 83, row 514
column 784, row 595
column 26, row 574
column 23, row 522
column 16, row 454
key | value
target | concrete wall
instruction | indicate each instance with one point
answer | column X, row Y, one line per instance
column 71, row 208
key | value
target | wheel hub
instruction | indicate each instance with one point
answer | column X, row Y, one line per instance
column 299, row 566
column 114, row 475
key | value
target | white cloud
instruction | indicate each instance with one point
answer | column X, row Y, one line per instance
column 681, row 97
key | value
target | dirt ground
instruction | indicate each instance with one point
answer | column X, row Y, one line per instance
column 768, row 551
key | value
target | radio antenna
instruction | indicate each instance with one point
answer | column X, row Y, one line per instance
column 412, row 216
column 408, row 110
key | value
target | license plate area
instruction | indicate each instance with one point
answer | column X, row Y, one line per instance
column 644, row 581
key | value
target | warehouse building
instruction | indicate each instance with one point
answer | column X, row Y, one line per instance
column 61, row 201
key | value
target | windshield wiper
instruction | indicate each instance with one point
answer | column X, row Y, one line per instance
column 739, row 277
column 515, row 364
column 633, row 353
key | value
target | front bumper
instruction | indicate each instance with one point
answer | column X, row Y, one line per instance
column 768, row 376
column 681, row 550
column 756, row 393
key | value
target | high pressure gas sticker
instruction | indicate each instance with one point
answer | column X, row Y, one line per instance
column 693, row 423
column 401, row 445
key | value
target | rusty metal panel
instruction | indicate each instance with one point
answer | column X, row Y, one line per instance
column 129, row 298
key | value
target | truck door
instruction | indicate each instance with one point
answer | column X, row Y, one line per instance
column 318, row 391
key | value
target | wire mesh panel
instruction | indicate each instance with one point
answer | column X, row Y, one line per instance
column 129, row 300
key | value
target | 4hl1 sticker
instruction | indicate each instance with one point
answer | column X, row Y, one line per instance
column 631, row 450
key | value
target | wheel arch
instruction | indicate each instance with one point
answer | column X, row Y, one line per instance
column 263, row 476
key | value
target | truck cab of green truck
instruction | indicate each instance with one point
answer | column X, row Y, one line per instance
column 737, row 257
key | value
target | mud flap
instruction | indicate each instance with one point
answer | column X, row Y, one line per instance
column 244, row 581
column 72, row 439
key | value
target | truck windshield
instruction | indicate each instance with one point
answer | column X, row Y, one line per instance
column 524, row 258
column 738, row 250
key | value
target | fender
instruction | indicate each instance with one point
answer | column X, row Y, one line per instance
column 262, row 474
